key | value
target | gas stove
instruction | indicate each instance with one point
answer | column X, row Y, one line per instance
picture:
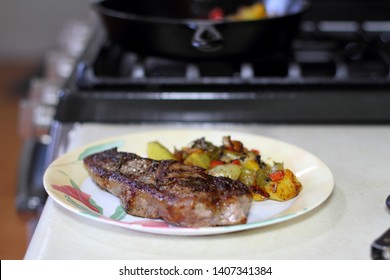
column 337, row 71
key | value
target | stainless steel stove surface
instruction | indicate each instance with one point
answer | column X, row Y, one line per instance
column 338, row 71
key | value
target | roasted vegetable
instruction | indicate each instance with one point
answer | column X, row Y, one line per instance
column 233, row 160
column 200, row 159
column 229, row 170
column 248, row 176
column 157, row 151
column 254, row 11
column 198, row 146
column 251, row 12
column 283, row 187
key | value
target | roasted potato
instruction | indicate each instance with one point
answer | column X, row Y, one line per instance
column 284, row 189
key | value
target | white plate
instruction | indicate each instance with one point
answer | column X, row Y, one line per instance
column 68, row 183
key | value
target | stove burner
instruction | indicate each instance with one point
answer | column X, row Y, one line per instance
column 326, row 53
column 336, row 71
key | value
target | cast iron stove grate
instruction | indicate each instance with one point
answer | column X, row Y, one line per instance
column 336, row 72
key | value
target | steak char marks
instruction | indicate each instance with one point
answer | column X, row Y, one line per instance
column 179, row 194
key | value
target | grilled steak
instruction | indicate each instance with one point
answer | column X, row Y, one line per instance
column 179, row 194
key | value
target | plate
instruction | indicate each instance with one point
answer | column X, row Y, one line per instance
column 69, row 184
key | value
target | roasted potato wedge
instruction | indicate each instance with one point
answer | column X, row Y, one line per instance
column 284, row 189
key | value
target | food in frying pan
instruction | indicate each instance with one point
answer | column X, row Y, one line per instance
column 186, row 32
column 180, row 194
column 233, row 160
column 249, row 12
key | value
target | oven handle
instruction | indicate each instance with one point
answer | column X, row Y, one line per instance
column 31, row 194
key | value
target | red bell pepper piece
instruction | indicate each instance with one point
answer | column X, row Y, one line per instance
column 215, row 163
column 277, row 175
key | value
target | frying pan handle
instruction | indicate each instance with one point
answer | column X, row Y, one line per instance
column 207, row 38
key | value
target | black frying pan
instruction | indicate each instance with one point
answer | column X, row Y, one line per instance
column 183, row 29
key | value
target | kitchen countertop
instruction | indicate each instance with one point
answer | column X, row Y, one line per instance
column 343, row 227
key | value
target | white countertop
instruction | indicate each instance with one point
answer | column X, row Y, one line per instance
column 343, row 227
